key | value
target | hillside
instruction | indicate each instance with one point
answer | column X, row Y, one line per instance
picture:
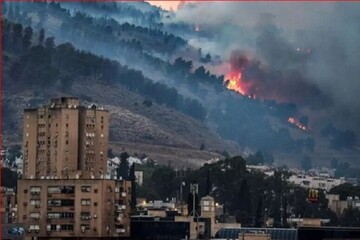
column 161, row 90
column 132, row 122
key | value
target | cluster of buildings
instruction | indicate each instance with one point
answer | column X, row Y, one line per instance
column 64, row 191
column 70, row 190
column 323, row 179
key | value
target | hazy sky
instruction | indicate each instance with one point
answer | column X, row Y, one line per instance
column 166, row 4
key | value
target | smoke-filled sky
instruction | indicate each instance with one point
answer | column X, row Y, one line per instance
column 314, row 47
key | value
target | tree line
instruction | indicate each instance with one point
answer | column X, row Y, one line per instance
column 43, row 64
column 251, row 197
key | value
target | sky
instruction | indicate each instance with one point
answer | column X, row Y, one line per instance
column 168, row 5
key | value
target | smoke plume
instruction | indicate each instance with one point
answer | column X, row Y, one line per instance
column 306, row 53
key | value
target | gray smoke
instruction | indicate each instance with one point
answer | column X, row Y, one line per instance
column 314, row 47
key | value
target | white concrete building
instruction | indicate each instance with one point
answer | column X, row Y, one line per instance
column 307, row 181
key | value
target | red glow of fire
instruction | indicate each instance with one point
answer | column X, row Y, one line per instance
column 235, row 83
column 296, row 123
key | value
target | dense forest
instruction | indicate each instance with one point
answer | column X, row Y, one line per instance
column 42, row 64
column 181, row 83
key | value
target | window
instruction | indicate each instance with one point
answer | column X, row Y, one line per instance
column 53, row 227
column 35, row 190
column 54, row 189
column 34, row 227
column 86, row 188
column 67, row 227
column 34, row 202
column 57, row 215
column 84, row 227
column 35, row 215
column 67, row 215
column 53, row 215
column 85, row 202
column 85, row 216
column 68, row 189
column 54, row 203
column 67, row 202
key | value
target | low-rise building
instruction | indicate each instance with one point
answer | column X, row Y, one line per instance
column 323, row 183
column 338, row 206
column 65, row 208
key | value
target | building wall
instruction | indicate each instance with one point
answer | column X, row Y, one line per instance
column 315, row 182
column 63, row 192
column 96, row 208
column 63, row 137
column 94, row 134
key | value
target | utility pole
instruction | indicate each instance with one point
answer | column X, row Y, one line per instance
column 194, row 191
column 181, row 199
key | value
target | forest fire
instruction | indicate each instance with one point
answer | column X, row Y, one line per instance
column 298, row 124
column 235, row 82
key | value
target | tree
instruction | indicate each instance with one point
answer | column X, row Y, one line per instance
column 110, row 153
column 9, row 178
column 259, row 218
column 17, row 36
column 132, row 178
column 346, row 190
column 244, row 208
column 163, row 180
column 350, row 217
column 208, row 183
column 123, row 168
column 26, row 40
column 49, row 43
column 41, row 36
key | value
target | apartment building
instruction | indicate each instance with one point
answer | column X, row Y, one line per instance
column 323, row 183
column 64, row 192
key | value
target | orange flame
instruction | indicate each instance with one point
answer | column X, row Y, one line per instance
column 235, row 82
column 296, row 123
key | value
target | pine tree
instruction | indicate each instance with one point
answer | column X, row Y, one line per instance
column 132, row 178
column 259, row 220
column 123, row 169
column 41, row 36
column 26, row 40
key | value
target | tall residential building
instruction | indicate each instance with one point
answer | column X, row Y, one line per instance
column 62, row 138
column 63, row 192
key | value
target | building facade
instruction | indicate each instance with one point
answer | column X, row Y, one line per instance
column 65, row 192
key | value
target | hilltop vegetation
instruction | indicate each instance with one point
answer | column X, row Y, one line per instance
column 146, row 60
